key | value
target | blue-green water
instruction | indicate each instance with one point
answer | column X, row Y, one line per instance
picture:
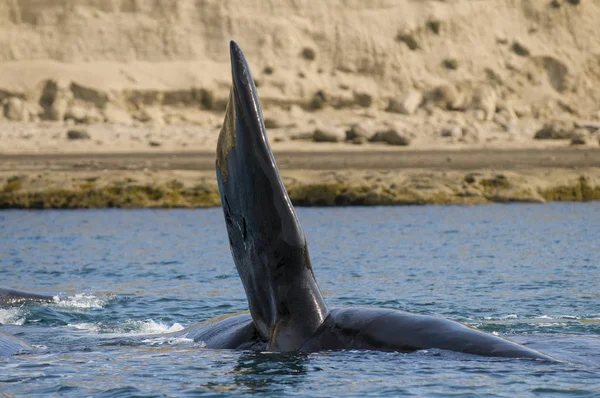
column 527, row 272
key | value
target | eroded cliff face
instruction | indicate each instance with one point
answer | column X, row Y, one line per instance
column 486, row 54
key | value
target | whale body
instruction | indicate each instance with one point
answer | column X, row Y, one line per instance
column 17, row 297
column 286, row 309
column 9, row 344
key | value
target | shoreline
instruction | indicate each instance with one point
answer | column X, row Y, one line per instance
column 314, row 159
column 319, row 178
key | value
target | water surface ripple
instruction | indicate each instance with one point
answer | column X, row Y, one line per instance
column 527, row 272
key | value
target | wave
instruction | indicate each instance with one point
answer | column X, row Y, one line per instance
column 80, row 301
column 129, row 327
column 168, row 340
column 13, row 316
column 541, row 320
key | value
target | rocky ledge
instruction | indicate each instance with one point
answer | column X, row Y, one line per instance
column 186, row 189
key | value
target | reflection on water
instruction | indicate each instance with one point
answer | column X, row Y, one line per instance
column 262, row 372
column 528, row 272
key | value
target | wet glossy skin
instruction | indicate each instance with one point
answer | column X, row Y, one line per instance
column 366, row 329
column 17, row 297
column 267, row 241
column 287, row 310
column 10, row 345
column 392, row 330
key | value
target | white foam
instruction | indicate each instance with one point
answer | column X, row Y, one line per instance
column 560, row 318
column 554, row 320
column 546, row 324
column 79, row 301
column 148, row 326
column 568, row 317
column 88, row 327
column 545, row 319
column 182, row 340
column 12, row 316
column 151, row 327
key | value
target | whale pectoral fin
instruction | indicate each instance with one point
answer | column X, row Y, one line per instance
column 234, row 331
column 391, row 330
column 425, row 331
column 266, row 239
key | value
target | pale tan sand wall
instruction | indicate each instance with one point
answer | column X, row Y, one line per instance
column 528, row 50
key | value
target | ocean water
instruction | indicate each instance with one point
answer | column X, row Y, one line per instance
column 527, row 272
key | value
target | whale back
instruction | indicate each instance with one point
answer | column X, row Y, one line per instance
column 266, row 239
column 17, row 297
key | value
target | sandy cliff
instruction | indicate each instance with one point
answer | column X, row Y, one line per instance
column 531, row 57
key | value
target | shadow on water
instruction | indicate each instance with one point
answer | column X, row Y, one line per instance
column 258, row 372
